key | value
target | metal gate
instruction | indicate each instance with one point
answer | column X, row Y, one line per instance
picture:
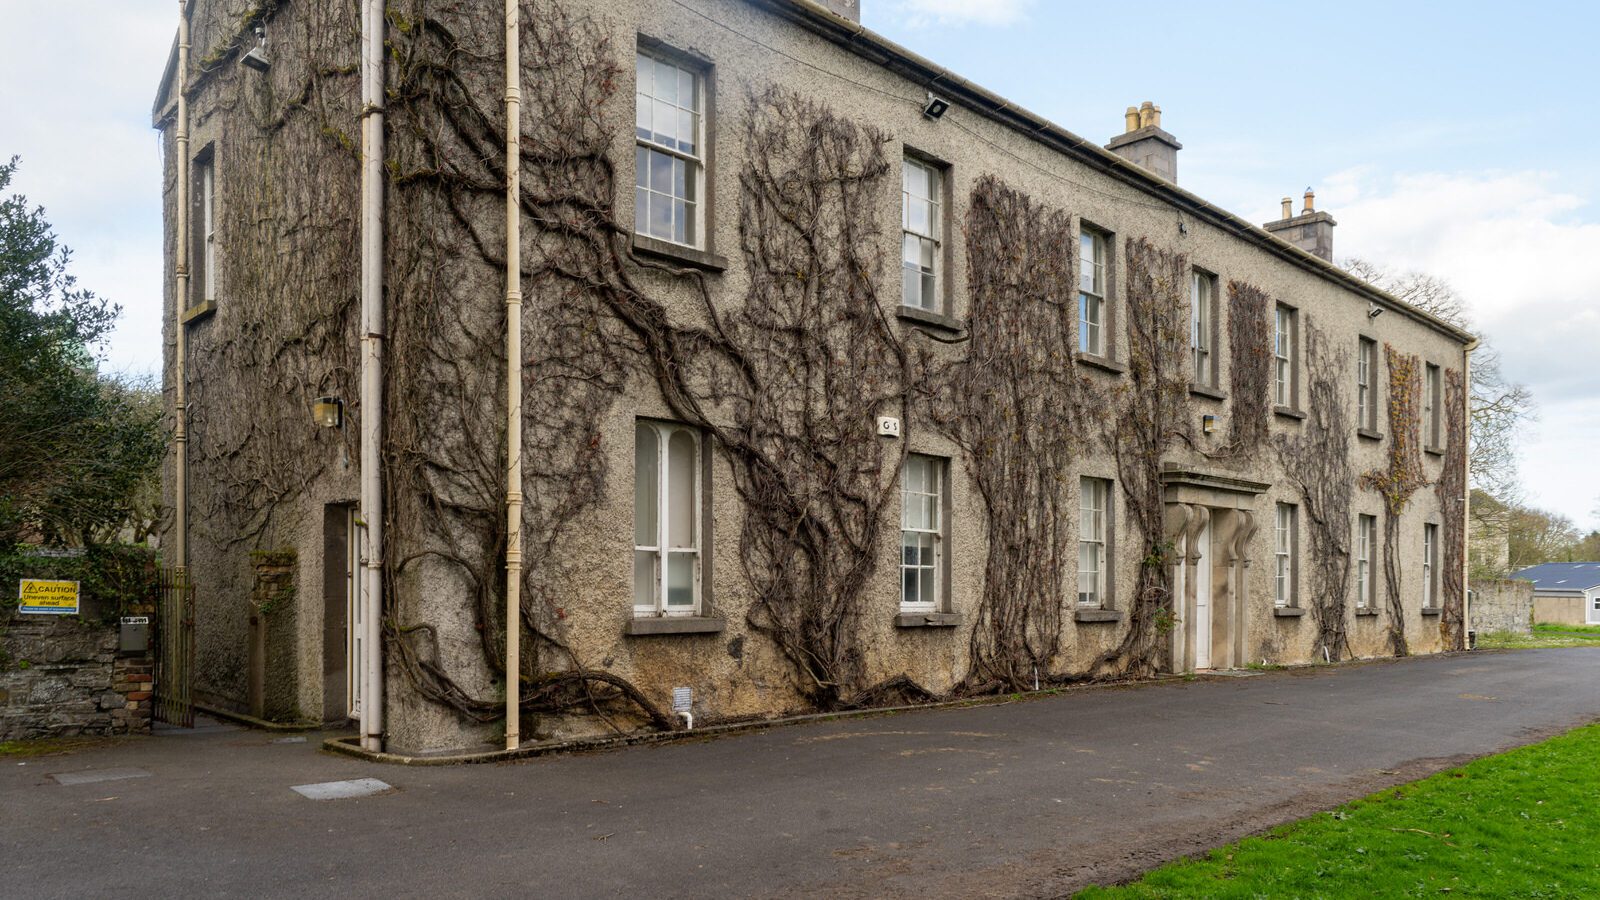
column 175, row 649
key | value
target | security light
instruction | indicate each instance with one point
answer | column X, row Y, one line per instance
column 328, row 412
column 257, row 57
column 936, row 107
column 1374, row 311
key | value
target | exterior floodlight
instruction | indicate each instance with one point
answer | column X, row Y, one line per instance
column 257, row 57
column 936, row 107
column 328, row 412
column 1374, row 311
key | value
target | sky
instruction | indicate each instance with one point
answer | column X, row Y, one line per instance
column 1459, row 139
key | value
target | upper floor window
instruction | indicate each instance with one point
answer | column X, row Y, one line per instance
column 1366, row 395
column 1283, row 357
column 1430, row 566
column 1092, row 292
column 1433, row 435
column 666, row 519
column 669, row 159
column 203, row 225
column 1366, row 548
column 920, row 224
column 1202, row 326
column 1284, row 545
column 1094, row 501
column 922, row 525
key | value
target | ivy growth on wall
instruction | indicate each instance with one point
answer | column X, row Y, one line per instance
column 1451, row 490
column 1316, row 460
column 1250, row 367
column 1401, row 479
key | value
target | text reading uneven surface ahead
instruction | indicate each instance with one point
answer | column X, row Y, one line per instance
column 50, row 598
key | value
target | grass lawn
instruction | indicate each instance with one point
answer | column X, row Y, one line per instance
column 1541, row 637
column 1521, row 824
column 1567, row 629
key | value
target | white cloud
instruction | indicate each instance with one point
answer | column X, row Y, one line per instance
column 1521, row 252
column 927, row 13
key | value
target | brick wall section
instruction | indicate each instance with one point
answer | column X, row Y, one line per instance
column 1502, row 606
column 60, row 676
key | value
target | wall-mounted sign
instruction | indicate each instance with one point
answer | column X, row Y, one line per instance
column 47, row 598
column 889, row 426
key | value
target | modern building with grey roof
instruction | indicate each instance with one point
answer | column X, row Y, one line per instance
column 1565, row 593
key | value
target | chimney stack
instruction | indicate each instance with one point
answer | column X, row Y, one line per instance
column 850, row 9
column 1311, row 231
column 1145, row 144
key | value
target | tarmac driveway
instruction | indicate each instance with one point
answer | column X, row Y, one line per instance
column 1031, row 798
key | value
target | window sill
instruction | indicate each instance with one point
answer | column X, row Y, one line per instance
column 1207, row 391
column 1432, row 610
column 1288, row 612
column 1097, row 615
column 677, row 253
column 927, row 620
column 1101, row 363
column 1369, row 611
column 931, row 319
column 1289, row 412
column 1433, row 451
column 649, row 625
column 196, row 313
column 1369, row 434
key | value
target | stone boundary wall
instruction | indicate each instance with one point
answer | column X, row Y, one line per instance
column 1502, row 606
column 61, row 676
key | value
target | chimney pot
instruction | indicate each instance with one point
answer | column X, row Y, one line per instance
column 1131, row 118
column 1311, row 201
column 1143, row 143
column 1288, row 207
column 1147, row 114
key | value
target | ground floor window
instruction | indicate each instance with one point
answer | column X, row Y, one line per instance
column 1284, row 556
column 1094, row 500
column 922, row 524
column 666, row 519
column 1366, row 542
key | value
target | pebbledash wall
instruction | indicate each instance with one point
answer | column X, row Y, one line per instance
column 280, row 331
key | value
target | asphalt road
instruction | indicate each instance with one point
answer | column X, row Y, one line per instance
column 1030, row 798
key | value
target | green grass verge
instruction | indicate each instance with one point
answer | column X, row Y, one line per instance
column 52, row 746
column 1507, row 640
column 1567, row 629
column 1522, row 824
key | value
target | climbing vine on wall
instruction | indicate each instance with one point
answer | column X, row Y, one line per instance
column 1316, row 461
column 1250, row 366
column 1451, row 490
column 1401, row 479
column 1149, row 419
column 1015, row 405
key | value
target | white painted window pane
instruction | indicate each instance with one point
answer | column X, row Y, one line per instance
column 680, row 489
column 645, row 489
column 644, row 579
column 666, row 87
column 680, row 579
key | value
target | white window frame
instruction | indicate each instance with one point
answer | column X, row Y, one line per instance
column 930, row 538
column 1092, row 251
column 1366, row 397
column 928, row 280
column 1094, row 514
column 1430, row 403
column 1283, row 356
column 1430, row 565
column 1366, row 545
column 694, row 161
column 661, row 553
column 1203, row 309
column 1285, row 538
column 208, row 206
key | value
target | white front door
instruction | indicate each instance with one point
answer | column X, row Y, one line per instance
column 354, row 621
column 1202, row 599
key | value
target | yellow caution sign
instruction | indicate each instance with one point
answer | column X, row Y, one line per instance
column 48, row 598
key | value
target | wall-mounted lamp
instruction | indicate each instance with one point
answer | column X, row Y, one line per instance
column 1374, row 311
column 936, row 107
column 1208, row 424
column 257, row 57
column 328, row 412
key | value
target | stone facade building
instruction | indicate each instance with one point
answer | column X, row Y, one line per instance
column 871, row 387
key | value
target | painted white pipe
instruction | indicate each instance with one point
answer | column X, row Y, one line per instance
column 372, row 325
column 180, row 299
column 513, row 374
column 688, row 720
column 1466, row 494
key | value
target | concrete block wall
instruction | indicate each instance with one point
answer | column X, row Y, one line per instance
column 1499, row 605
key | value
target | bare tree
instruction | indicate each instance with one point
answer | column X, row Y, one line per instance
column 1500, row 407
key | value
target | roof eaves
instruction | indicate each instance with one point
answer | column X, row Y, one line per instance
column 875, row 48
